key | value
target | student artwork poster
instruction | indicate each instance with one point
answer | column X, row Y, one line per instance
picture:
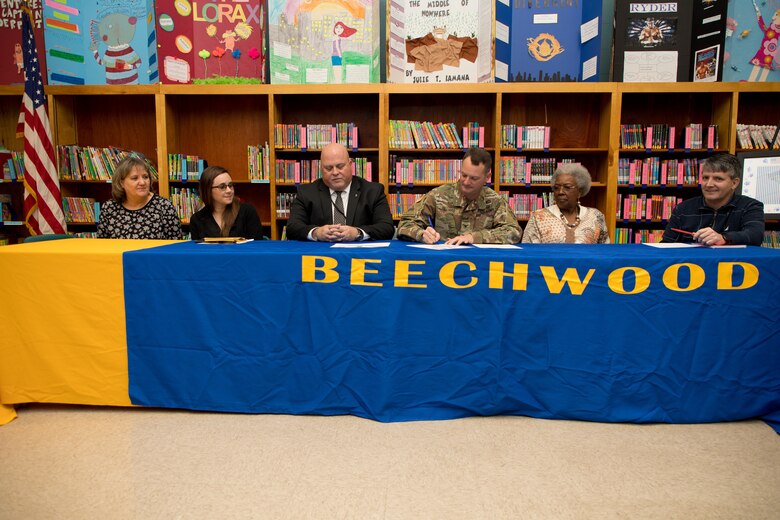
column 547, row 42
column 440, row 41
column 752, row 33
column 100, row 42
column 651, row 47
column 706, row 64
column 12, row 68
column 211, row 42
column 318, row 41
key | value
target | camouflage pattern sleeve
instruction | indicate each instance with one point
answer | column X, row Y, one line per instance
column 415, row 220
column 499, row 228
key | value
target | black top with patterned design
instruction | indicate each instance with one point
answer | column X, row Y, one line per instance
column 156, row 220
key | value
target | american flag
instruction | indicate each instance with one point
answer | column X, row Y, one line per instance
column 42, row 199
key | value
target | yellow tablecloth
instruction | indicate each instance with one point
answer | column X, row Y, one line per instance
column 55, row 347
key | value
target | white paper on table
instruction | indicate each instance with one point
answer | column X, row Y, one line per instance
column 243, row 241
column 496, row 246
column 360, row 244
column 672, row 245
column 436, row 246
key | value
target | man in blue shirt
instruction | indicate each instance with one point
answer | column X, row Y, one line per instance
column 719, row 216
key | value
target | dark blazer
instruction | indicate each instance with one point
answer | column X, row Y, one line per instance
column 247, row 224
column 367, row 209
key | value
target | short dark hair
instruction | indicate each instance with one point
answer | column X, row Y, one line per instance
column 723, row 162
column 479, row 156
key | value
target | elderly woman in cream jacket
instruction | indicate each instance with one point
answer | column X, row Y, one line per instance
column 567, row 222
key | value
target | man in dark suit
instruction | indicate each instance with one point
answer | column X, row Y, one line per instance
column 339, row 207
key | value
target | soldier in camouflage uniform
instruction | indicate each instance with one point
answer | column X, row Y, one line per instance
column 465, row 212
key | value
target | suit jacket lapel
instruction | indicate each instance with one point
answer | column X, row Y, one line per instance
column 325, row 202
column 354, row 195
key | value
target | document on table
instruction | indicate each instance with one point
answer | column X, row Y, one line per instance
column 671, row 245
column 225, row 240
column 435, row 246
column 496, row 246
column 361, row 244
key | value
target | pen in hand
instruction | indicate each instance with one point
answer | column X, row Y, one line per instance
column 683, row 231
column 430, row 223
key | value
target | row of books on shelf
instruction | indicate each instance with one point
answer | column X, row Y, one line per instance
column 13, row 165
column 525, row 137
column 433, row 171
column 89, row 163
column 80, row 210
column 283, row 204
column 654, row 171
column 638, row 236
column 182, row 167
column 523, row 204
column 651, row 236
column 771, row 239
column 427, row 135
column 664, row 137
column 401, row 202
column 259, row 162
column 645, row 206
column 6, row 208
column 186, row 201
column 758, row 137
column 528, row 170
column 315, row 136
column 291, row 171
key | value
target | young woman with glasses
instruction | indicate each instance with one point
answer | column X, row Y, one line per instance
column 222, row 214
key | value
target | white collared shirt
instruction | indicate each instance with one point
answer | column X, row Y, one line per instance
column 345, row 200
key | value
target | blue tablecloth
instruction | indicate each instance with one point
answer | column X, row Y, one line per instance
column 602, row 333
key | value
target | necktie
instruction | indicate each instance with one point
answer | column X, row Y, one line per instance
column 339, row 217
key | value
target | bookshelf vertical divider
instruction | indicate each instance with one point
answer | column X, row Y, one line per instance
column 383, row 167
column 165, row 120
column 273, row 110
column 612, row 139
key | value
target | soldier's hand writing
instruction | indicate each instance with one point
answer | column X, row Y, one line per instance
column 430, row 236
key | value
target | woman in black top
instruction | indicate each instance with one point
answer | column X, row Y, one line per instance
column 133, row 210
column 222, row 214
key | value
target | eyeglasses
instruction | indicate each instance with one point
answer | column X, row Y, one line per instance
column 564, row 187
column 329, row 168
column 223, row 186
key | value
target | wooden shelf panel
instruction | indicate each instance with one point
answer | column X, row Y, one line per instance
column 218, row 128
column 580, row 121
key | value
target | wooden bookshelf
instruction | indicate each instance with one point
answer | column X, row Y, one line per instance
column 218, row 122
column 10, row 102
